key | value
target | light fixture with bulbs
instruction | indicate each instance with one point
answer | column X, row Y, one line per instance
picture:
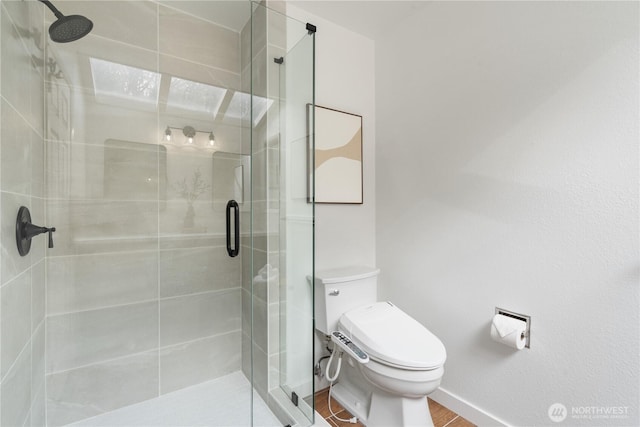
column 190, row 134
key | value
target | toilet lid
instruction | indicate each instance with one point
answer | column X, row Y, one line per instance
column 391, row 336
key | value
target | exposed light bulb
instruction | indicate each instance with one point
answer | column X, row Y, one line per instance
column 167, row 134
column 190, row 133
column 212, row 139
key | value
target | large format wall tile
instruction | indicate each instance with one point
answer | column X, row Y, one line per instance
column 28, row 18
column 113, row 170
column 130, row 22
column 88, row 226
column 19, row 76
column 197, row 316
column 205, row 220
column 15, row 393
column 107, row 116
column 22, row 182
column 39, row 244
column 190, row 167
column 188, row 271
column 86, row 282
column 12, row 263
column 16, row 152
column 260, row 318
column 16, row 319
column 38, row 295
column 37, row 165
column 181, row 35
column 247, row 312
column 37, row 361
column 246, row 354
column 92, row 390
column 260, row 362
column 38, row 409
column 94, row 336
column 197, row 361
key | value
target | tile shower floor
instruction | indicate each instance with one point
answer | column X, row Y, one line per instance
column 224, row 401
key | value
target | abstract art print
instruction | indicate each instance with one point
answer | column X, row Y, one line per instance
column 338, row 156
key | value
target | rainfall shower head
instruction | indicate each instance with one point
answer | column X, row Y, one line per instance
column 67, row 28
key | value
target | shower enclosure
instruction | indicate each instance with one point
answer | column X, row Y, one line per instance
column 170, row 149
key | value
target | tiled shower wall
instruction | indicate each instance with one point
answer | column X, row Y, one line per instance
column 140, row 301
column 22, row 291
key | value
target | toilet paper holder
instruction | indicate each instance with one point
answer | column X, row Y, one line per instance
column 527, row 319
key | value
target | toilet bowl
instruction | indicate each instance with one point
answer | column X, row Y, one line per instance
column 406, row 360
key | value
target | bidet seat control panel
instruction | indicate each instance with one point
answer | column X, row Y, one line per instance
column 343, row 341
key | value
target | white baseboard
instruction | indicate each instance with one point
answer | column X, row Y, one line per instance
column 465, row 409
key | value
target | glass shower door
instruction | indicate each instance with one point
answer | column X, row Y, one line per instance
column 283, row 79
column 297, row 220
column 144, row 150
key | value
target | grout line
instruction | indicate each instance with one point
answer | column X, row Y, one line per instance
column 454, row 418
column 101, row 254
column 13, row 364
column 101, row 362
column 147, row 301
column 13, row 193
column 200, row 18
column 139, row 251
column 150, row 350
column 169, row 346
column 107, row 307
column 158, row 222
column 24, row 119
column 16, row 277
column 216, row 291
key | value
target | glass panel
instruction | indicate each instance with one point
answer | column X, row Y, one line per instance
column 297, row 223
column 145, row 306
column 282, row 74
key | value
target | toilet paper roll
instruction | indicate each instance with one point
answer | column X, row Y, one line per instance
column 511, row 331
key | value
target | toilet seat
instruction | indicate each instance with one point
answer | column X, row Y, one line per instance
column 392, row 337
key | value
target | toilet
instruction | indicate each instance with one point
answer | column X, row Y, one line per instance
column 406, row 361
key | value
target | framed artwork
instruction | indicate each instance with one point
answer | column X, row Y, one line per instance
column 337, row 157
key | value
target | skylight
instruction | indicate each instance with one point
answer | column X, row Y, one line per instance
column 193, row 96
column 118, row 82
column 240, row 106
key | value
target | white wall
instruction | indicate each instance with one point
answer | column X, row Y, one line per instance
column 507, row 175
column 345, row 234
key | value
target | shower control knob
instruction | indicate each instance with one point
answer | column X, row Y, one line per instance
column 25, row 231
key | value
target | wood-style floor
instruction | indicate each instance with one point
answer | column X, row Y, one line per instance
column 441, row 416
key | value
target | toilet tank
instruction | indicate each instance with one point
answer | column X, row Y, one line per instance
column 342, row 289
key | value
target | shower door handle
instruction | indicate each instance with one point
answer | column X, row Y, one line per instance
column 232, row 204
